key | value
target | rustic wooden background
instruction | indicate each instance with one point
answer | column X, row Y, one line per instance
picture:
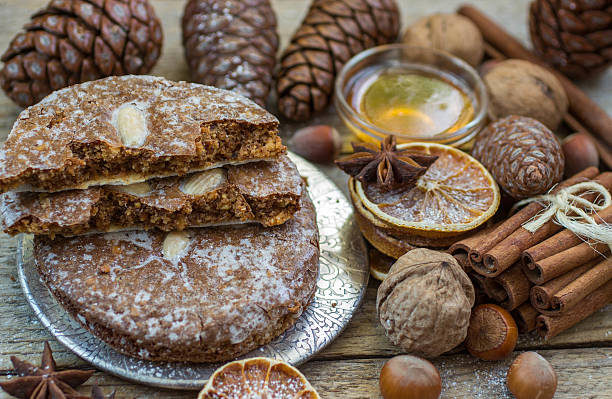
column 350, row 366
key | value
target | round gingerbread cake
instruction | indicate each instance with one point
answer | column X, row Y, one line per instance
column 199, row 295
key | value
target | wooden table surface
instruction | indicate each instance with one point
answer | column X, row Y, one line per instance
column 349, row 367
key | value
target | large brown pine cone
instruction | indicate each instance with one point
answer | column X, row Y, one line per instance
column 574, row 36
column 522, row 154
column 73, row 41
column 232, row 44
column 332, row 32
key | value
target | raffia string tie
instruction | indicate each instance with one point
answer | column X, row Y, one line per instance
column 573, row 211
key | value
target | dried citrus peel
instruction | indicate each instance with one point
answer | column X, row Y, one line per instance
column 455, row 195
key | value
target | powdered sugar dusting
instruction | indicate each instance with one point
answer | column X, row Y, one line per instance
column 225, row 286
column 256, row 180
column 83, row 114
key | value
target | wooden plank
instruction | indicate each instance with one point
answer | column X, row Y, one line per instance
column 349, row 367
column 22, row 335
column 583, row 373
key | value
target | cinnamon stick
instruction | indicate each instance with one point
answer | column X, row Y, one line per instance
column 585, row 109
column 559, row 242
column 550, row 326
column 505, row 253
column 481, row 243
column 513, row 286
column 463, row 247
column 541, row 295
column 525, row 317
column 463, row 261
column 576, row 291
column 554, row 266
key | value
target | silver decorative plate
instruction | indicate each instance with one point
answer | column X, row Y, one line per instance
column 343, row 277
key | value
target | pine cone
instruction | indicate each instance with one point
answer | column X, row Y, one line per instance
column 232, row 44
column 574, row 36
column 522, row 154
column 73, row 41
column 332, row 32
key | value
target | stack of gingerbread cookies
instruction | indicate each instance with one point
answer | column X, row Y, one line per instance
column 167, row 218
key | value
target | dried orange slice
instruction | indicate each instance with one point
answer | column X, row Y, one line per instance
column 455, row 195
column 380, row 264
column 258, row 378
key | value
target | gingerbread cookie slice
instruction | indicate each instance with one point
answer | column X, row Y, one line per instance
column 199, row 295
column 267, row 192
column 127, row 129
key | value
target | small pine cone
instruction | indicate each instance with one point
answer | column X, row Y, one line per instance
column 522, row 154
column 574, row 36
column 232, row 44
column 332, row 32
column 73, row 41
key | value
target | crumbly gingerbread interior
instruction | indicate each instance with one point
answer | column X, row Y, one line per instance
column 222, row 142
column 116, row 210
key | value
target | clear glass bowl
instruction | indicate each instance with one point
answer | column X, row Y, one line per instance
column 425, row 59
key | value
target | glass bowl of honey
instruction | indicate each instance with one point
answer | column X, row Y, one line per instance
column 414, row 93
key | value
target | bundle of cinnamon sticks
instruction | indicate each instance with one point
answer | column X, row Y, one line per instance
column 550, row 279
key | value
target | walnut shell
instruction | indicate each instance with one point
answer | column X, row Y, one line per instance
column 452, row 33
column 424, row 303
column 518, row 87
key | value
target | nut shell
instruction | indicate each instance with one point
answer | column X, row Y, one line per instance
column 580, row 153
column 531, row 376
column 518, row 87
column 410, row 377
column 523, row 155
column 318, row 143
column 492, row 334
column 452, row 33
column 423, row 283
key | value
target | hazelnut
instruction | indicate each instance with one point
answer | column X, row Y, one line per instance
column 580, row 153
column 518, row 87
column 319, row 143
column 452, row 33
column 424, row 302
column 409, row 377
column 492, row 333
column 531, row 376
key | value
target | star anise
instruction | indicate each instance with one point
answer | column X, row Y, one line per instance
column 388, row 167
column 44, row 382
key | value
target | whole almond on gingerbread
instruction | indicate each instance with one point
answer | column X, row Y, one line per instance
column 70, row 42
column 331, row 33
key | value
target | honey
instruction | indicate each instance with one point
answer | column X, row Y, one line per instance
column 412, row 101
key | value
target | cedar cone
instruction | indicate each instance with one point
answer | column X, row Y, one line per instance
column 522, row 154
column 232, row 44
column 70, row 42
column 332, row 32
column 574, row 36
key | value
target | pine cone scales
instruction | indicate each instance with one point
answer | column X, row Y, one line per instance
column 332, row 32
column 522, row 154
column 232, row 44
column 72, row 41
column 574, row 36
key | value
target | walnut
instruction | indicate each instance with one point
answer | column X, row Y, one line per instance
column 452, row 33
column 518, row 87
column 424, row 303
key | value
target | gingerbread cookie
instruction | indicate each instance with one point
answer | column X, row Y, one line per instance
column 267, row 192
column 199, row 295
column 127, row 129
